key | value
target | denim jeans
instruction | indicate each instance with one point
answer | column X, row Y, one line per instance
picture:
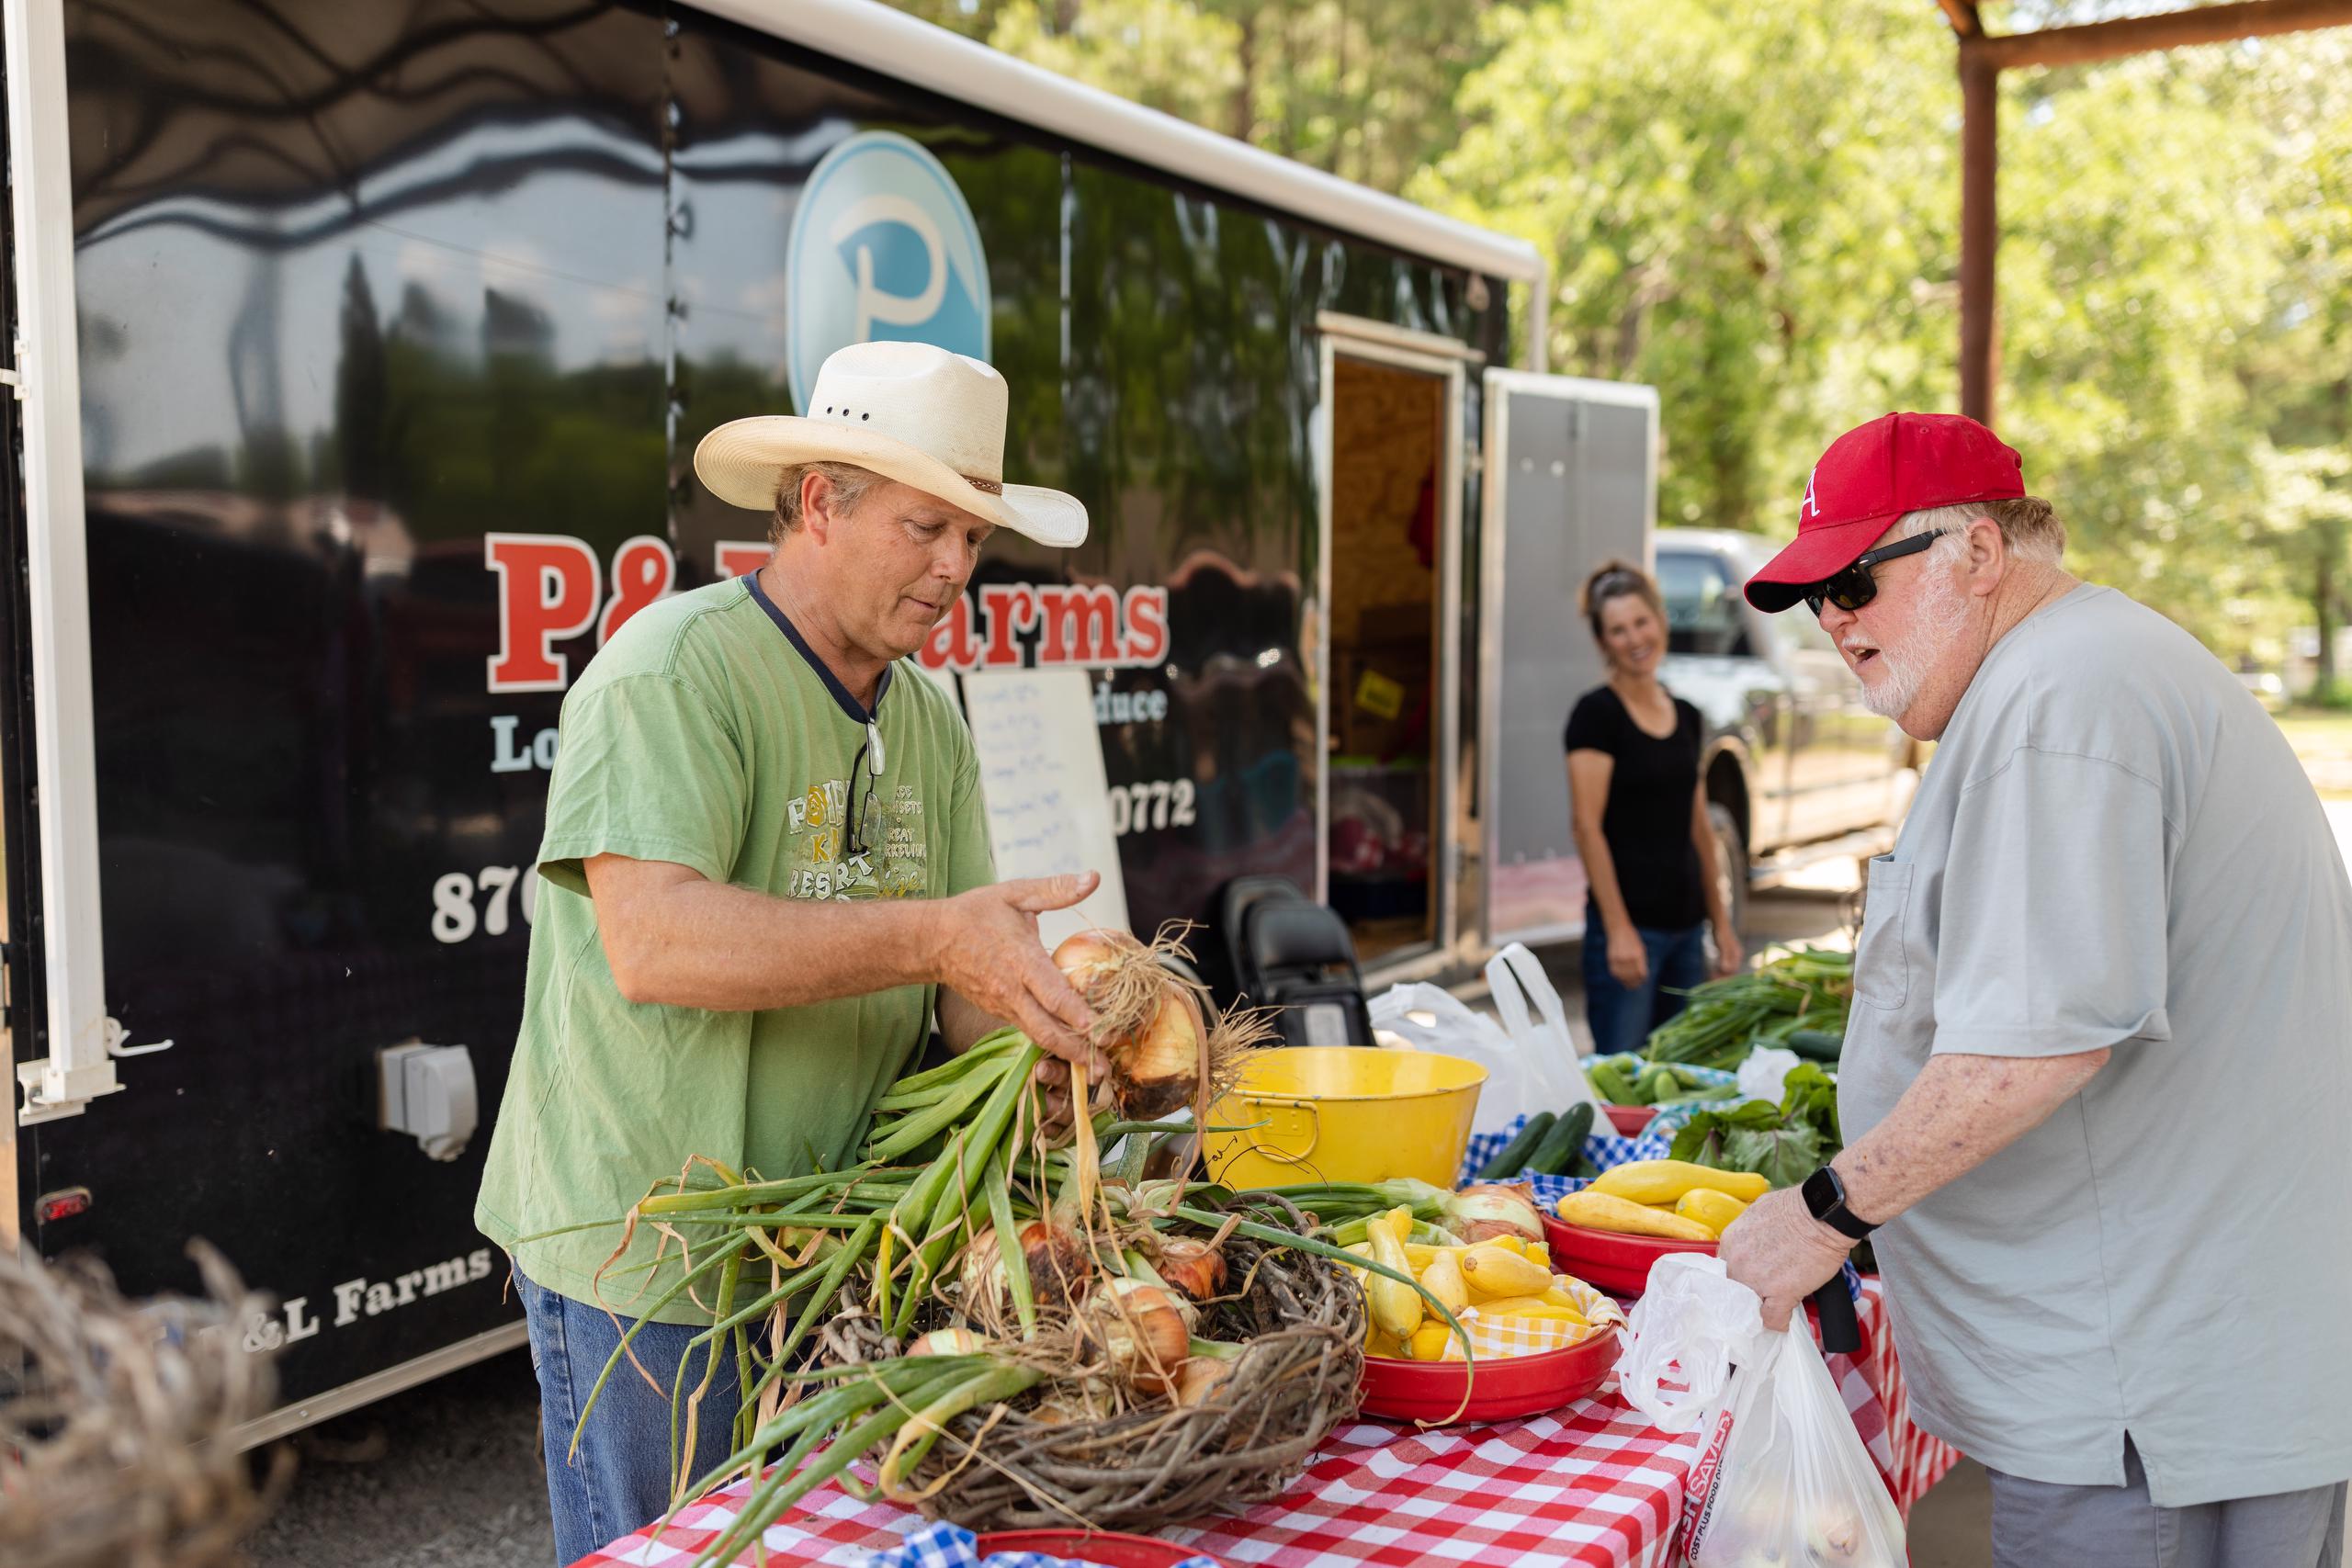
column 620, row 1480
column 1623, row 1016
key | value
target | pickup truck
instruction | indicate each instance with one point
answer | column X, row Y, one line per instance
column 1797, row 769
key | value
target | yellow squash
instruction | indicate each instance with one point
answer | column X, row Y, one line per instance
column 1442, row 1279
column 1712, row 1208
column 1607, row 1212
column 1429, row 1340
column 1666, row 1180
column 1396, row 1307
column 1492, row 1269
column 1528, row 1306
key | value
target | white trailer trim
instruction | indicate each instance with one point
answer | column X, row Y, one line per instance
column 80, row 1064
column 867, row 33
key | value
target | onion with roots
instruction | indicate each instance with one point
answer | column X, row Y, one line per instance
column 1192, row 1267
column 1491, row 1209
column 1058, row 1264
column 1142, row 1331
column 1150, row 1022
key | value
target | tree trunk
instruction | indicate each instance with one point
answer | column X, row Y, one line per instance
column 2324, row 609
column 1244, row 96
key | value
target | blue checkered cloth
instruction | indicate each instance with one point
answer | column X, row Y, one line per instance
column 1604, row 1149
column 942, row 1545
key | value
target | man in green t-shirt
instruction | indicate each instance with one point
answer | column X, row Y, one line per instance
column 768, row 870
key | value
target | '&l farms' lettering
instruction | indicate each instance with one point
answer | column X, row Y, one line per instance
column 552, row 587
column 364, row 1298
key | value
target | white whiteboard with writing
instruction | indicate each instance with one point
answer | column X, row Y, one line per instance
column 1048, row 799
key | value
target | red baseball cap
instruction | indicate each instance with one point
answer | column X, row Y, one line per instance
column 1872, row 474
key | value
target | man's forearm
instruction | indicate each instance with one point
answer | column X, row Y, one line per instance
column 704, row 945
column 1959, row 1112
column 962, row 1023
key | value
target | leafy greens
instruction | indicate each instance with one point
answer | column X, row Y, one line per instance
column 1783, row 1144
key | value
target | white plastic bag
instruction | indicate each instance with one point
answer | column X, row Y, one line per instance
column 1515, row 977
column 1691, row 1323
column 1781, row 1477
column 1765, row 1074
column 1784, row 1477
column 1428, row 1018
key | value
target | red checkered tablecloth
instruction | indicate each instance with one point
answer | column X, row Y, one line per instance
column 1593, row 1485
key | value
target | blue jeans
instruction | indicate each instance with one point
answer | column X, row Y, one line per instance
column 620, row 1480
column 1623, row 1016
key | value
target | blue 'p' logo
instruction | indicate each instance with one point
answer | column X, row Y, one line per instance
column 883, row 246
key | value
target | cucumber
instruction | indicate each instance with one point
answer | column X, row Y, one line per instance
column 1657, row 1079
column 1816, row 1044
column 1513, row 1159
column 1610, row 1082
column 1563, row 1141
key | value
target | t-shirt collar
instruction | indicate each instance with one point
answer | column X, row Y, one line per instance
column 858, row 712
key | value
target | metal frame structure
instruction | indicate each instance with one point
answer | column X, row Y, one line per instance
column 1450, row 362
column 46, row 373
column 1983, row 56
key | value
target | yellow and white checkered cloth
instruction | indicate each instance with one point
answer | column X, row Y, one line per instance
column 1493, row 1337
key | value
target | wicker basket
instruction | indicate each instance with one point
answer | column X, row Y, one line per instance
column 1302, row 1319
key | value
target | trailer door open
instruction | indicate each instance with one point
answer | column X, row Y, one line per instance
column 1391, row 425
column 1571, row 470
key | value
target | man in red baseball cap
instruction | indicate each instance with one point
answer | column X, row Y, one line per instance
column 2115, row 900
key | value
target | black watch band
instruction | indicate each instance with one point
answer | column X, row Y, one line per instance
column 1825, row 1196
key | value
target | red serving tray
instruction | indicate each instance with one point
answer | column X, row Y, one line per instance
column 1502, row 1389
column 1612, row 1262
column 1110, row 1550
column 1629, row 1120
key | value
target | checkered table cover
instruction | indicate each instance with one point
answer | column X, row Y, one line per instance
column 1592, row 1484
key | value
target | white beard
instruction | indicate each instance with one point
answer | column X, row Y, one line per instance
column 1942, row 617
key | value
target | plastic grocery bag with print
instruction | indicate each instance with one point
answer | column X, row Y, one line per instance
column 1781, row 1478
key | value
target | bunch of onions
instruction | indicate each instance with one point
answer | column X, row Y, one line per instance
column 1141, row 1331
column 1149, row 1023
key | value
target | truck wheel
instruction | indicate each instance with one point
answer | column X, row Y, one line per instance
column 1731, row 869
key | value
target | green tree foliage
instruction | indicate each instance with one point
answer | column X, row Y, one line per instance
column 1754, row 206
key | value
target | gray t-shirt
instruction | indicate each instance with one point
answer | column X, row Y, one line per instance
column 2114, row 846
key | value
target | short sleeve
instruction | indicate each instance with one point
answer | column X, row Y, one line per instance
column 1589, row 728
column 971, row 862
column 644, row 769
column 2053, row 911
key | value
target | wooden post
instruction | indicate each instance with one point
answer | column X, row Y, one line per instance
column 1980, row 231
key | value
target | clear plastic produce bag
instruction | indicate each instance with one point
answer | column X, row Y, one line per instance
column 1782, row 1480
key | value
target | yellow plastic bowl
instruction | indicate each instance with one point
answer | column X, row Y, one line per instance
column 1344, row 1114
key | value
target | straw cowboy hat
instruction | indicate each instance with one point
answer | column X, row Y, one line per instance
column 909, row 412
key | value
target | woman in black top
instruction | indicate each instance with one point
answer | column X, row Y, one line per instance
column 1640, row 824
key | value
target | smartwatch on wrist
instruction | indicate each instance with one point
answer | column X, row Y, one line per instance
column 1825, row 1196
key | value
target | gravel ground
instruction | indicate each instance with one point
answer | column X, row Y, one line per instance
column 448, row 1475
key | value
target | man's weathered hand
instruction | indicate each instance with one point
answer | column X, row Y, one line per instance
column 1779, row 1251
column 988, row 952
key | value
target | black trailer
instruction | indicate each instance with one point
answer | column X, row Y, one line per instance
column 361, row 351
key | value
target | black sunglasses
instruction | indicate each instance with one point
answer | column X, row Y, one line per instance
column 858, row 832
column 1854, row 587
